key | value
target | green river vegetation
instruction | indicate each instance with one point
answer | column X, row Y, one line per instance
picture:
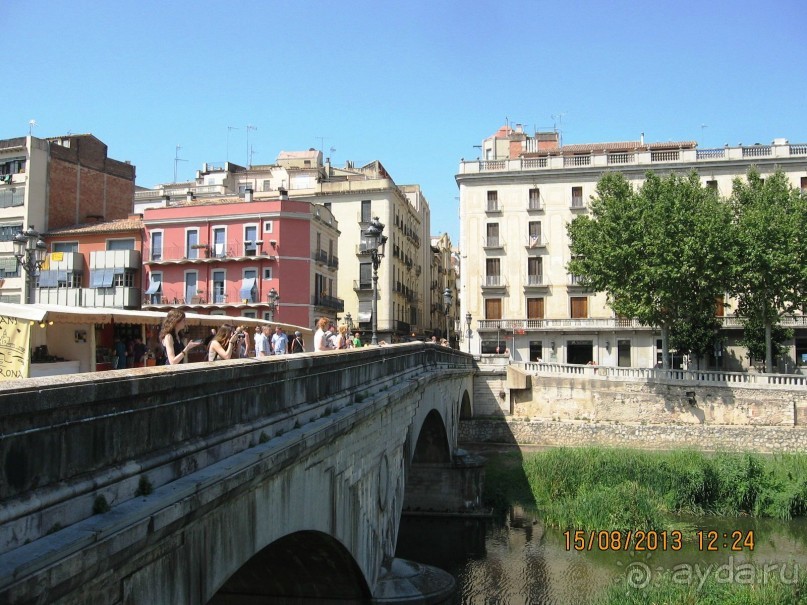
column 599, row 490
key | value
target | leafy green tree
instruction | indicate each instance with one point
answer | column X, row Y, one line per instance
column 754, row 341
column 697, row 330
column 770, row 277
column 661, row 253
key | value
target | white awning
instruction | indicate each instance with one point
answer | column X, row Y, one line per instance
column 365, row 311
column 155, row 285
column 247, row 289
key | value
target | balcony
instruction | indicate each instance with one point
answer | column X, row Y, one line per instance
column 535, row 205
column 621, row 158
column 665, row 156
column 320, row 256
column 205, row 254
column 561, row 324
column 492, row 207
column 494, row 282
column 333, row 262
column 126, row 259
column 535, row 242
column 577, row 203
column 492, row 242
column 573, row 161
column 329, row 302
column 536, row 281
column 362, row 286
column 116, row 297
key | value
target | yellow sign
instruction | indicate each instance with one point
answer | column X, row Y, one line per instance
column 57, row 257
column 15, row 340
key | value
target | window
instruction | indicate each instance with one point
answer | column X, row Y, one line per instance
column 365, row 275
column 120, row 244
column 535, row 308
column 579, row 307
column 492, row 235
column 267, row 226
column 712, row 185
column 536, row 350
column 535, row 234
column 7, row 232
column 804, row 184
column 366, row 215
column 492, row 272
column 155, row 289
column 720, row 306
column 68, row 247
column 156, row 245
column 123, row 277
column 623, row 353
column 191, row 285
column 250, row 237
column 493, row 201
column 219, row 292
column 267, row 185
column 534, row 201
column 535, row 271
column 267, row 272
column 9, row 267
column 191, row 243
column 577, row 197
column 493, row 308
column 219, row 242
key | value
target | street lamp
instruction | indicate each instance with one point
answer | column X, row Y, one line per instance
column 448, row 298
column 468, row 332
column 30, row 252
column 349, row 321
column 273, row 297
column 375, row 242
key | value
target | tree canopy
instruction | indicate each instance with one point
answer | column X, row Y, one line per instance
column 662, row 253
column 770, row 271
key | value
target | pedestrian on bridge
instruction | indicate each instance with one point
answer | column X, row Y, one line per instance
column 176, row 351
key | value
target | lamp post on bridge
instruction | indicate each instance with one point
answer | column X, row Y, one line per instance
column 30, row 251
column 468, row 332
column 448, row 298
column 376, row 243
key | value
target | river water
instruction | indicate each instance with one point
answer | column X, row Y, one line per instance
column 516, row 559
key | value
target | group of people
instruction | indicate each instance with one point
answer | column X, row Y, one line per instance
column 328, row 337
column 228, row 342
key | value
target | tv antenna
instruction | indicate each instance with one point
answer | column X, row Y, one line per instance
column 229, row 128
column 558, row 120
column 249, row 127
column 31, row 124
column 177, row 160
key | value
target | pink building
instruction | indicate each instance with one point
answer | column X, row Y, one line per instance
column 268, row 259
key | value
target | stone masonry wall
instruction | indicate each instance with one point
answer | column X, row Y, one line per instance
column 763, row 439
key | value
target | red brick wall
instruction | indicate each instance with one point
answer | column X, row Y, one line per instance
column 76, row 192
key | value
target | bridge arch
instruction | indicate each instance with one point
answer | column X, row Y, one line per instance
column 432, row 445
column 297, row 567
column 466, row 411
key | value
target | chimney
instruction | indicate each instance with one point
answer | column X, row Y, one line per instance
column 189, row 196
column 284, row 195
column 641, row 139
column 247, row 194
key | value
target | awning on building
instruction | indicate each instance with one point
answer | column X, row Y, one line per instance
column 247, row 290
column 155, row 286
column 365, row 311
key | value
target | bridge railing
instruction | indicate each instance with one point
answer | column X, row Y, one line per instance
column 705, row 377
column 64, row 440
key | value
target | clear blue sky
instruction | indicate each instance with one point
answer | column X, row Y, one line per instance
column 413, row 84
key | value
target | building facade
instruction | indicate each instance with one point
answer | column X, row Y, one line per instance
column 514, row 207
column 351, row 197
column 53, row 183
column 272, row 259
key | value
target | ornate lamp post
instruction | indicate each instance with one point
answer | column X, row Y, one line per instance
column 468, row 332
column 273, row 297
column 30, row 252
column 376, row 243
column 448, row 298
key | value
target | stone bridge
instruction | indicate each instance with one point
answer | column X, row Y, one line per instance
column 233, row 481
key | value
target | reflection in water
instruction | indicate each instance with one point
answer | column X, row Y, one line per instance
column 517, row 560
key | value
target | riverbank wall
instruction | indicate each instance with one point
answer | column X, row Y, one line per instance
column 596, row 407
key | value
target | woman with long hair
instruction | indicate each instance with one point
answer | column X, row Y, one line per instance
column 321, row 336
column 223, row 343
column 176, row 351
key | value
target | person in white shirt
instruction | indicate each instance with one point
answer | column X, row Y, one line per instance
column 263, row 347
column 321, row 336
column 280, row 342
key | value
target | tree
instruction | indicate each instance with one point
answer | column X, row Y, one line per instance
column 770, row 276
column 661, row 254
column 755, row 342
column 697, row 331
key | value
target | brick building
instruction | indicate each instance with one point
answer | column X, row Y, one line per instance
column 55, row 183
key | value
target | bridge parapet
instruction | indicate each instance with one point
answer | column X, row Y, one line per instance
column 66, row 440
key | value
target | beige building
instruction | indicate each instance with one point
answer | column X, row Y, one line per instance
column 514, row 207
column 354, row 196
